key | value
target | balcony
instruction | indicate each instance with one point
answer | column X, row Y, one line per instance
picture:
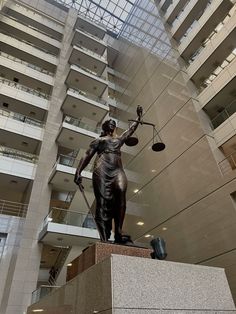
column 95, row 29
column 29, row 33
column 88, row 59
column 203, row 27
column 220, row 91
column 74, row 131
column 23, row 99
column 80, row 104
column 83, row 38
column 215, row 50
column 228, row 164
column 16, row 123
column 26, row 51
column 13, row 208
column 38, row 21
column 39, row 78
column 174, row 9
column 66, row 228
column 186, row 18
column 17, row 163
column 86, row 80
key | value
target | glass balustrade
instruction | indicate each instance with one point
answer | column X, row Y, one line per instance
column 81, row 124
column 30, row 65
column 224, row 115
column 88, row 95
column 23, row 88
column 70, row 161
column 20, row 117
column 17, row 154
column 13, row 208
column 72, row 218
column 91, row 72
column 41, row 292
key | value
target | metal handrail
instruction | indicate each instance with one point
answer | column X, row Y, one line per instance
column 77, row 122
column 224, row 115
column 20, row 117
column 91, row 72
column 13, row 208
column 17, row 154
column 84, row 31
column 228, row 164
column 30, row 26
column 29, row 65
column 88, row 95
column 69, row 161
column 90, row 51
column 41, row 292
column 24, row 88
column 69, row 217
column 26, row 42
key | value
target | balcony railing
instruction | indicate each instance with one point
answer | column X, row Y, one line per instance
column 70, row 161
column 88, row 95
column 13, row 208
column 228, row 164
column 17, row 154
column 71, row 218
column 97, row 38
column 20, row 117
column 41, row 292
column 91, row 72
column 224, row 115
column 30, row 65
column 80, row 124
column 90, row 51
column 24, row 88
column 26, row 42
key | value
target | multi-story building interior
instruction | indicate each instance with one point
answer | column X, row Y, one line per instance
column 66, row 66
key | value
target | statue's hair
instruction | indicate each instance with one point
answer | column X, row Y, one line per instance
column 105, row 127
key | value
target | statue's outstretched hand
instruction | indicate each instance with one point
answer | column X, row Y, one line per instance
column 139, row 111
column 78, row 179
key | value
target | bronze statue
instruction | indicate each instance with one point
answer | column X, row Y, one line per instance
column 109, row 179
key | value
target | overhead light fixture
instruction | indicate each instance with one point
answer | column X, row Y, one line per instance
column 140, row 223
column 136, row 190
column 69, row 265
column 147, row 236
column 38, row 310
column 153, row 170
column 164, row 228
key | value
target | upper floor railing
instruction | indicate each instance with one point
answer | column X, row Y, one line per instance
column 71, row 161
column 23, row 88
column 228, row 164
column 41, row 292
column 68, row 217
column 17, row 154
column 90, row 51
column 224, row 115
column 84, row 31
column 81, row 124
column 20, row 117
column 13, row 208
column 91, row 72
column 89, row 95
column 29, row 65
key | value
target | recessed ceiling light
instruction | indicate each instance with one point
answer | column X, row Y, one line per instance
column 94, row 87
column 38, row 310
column 136, row 190
column 71, row 138
column 140, row 223
column 164, row 228
column 66, row 180
column 147, row 236
column 74, row 106
column 153, row 170
column 94, row 114
column 69, row 265
column 77, row 80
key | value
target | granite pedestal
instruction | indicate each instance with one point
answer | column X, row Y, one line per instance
column 133, row 285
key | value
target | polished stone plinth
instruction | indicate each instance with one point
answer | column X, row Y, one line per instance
column 134, row 285
column 99, row 251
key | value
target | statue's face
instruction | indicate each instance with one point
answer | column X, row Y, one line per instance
column 112, row 125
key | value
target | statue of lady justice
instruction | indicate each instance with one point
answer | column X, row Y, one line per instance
column 109, row 179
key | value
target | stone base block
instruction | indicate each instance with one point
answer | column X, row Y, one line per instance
column 99, row 251
column 133, row 285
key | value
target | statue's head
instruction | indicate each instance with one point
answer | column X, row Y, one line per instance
column 108, row 127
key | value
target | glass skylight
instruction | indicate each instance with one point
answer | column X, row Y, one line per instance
column 111, row 13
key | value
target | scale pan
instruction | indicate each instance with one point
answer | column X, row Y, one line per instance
column 158, row 147
column 131, row 141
